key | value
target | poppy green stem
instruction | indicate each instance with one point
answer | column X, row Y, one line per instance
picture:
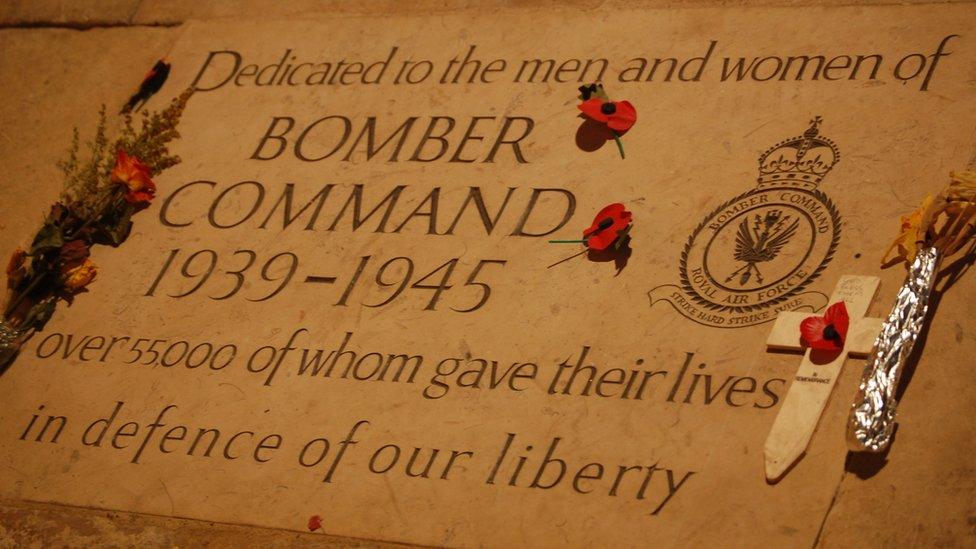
column 620, row 144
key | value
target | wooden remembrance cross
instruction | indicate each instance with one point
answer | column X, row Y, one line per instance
column 815, row 379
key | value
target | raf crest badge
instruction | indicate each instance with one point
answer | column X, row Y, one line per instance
column 752, row 256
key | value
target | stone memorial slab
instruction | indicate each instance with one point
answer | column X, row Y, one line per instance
column 343, row 303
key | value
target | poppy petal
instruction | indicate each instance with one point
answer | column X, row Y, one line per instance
column 626, row 110
column 811, row 331
column 835, row 311
column 618, row 125
column 624, row 117
column 591, row 108
column 612, row 211
column 837, row 315
column 824, row 345
column 601, row 241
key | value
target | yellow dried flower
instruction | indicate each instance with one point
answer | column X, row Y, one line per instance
column 912, row 233
column 79, row 275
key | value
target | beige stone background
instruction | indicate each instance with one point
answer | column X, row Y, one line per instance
column 49, row 36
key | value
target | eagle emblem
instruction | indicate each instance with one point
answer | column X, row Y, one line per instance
column 759, row 240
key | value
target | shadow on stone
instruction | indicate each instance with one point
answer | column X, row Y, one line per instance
column 620, row 255
column 867, row 464
column 592, row 135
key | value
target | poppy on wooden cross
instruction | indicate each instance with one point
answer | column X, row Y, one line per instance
column 808, row 394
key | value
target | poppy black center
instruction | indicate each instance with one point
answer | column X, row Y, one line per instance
column 608, row 108
column 605, row 224
column 830, row 333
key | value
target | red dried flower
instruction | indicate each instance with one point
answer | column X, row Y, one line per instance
column 131, row 172
column 827, row 332
column 619, row 116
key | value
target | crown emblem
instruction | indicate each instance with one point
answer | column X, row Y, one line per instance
column 801, row 161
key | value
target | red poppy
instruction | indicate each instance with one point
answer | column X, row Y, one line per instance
column 619, row 116
column 314, row 523
column 827, row 332
column 608, row 226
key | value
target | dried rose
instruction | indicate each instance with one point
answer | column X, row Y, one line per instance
column 74, row 251
column 78, row 275
column 131, row 172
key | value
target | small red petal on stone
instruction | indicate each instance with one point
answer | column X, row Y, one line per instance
column 314, row 523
